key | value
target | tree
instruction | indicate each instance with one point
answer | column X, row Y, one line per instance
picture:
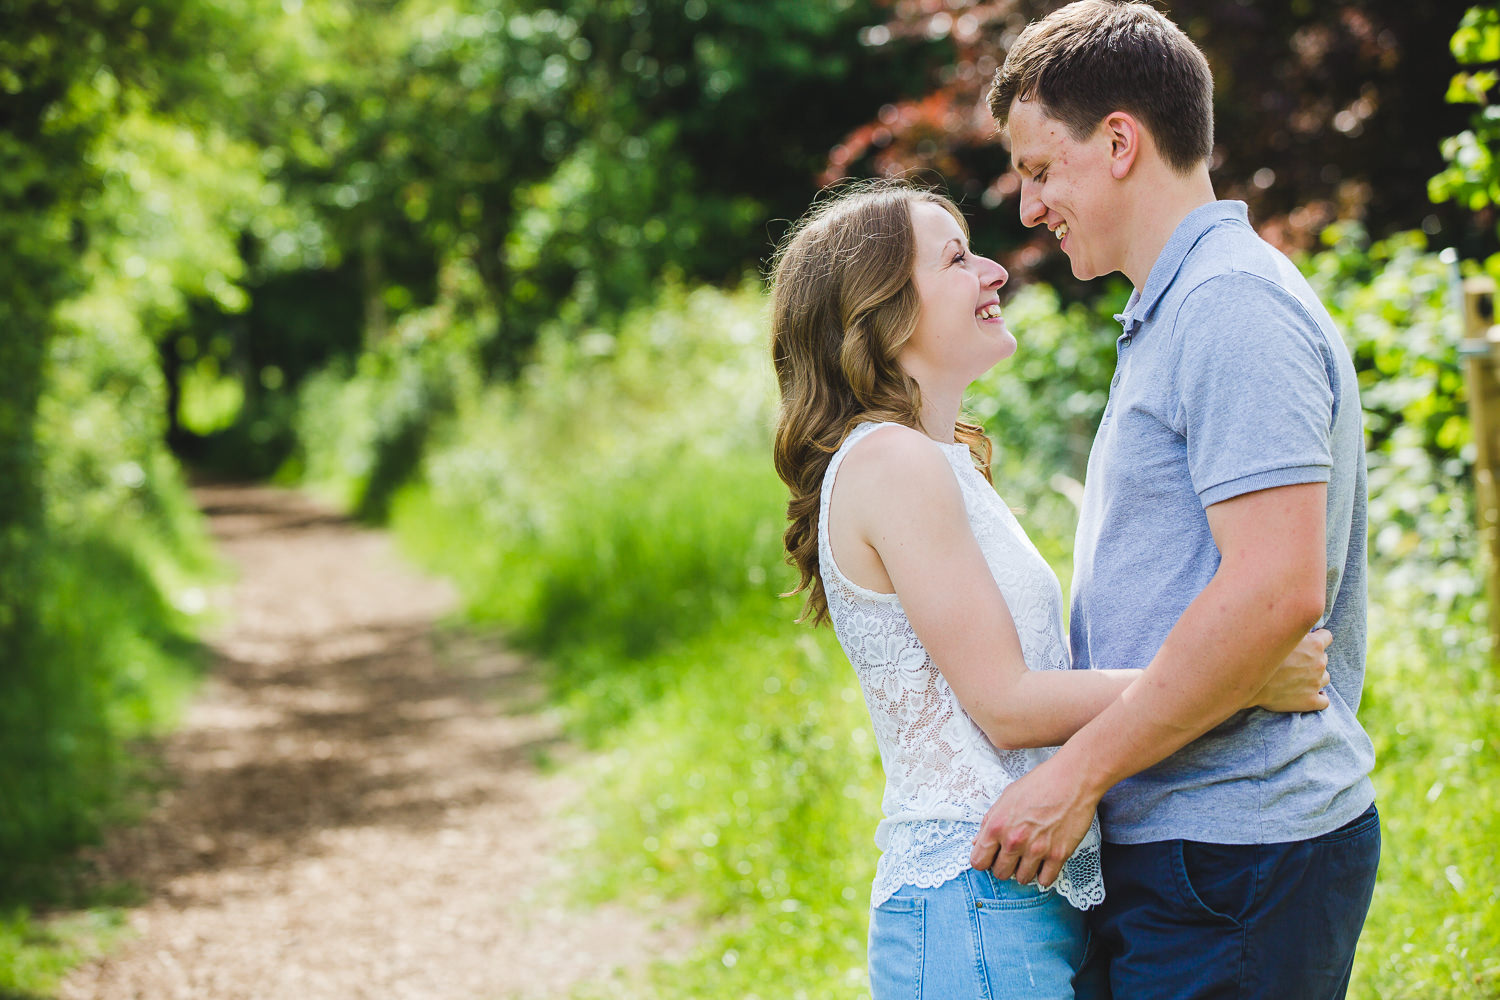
column 50, row 115
column 101, row 201
column 570, row 153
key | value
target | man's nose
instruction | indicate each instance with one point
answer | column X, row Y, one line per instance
column 1032, row 209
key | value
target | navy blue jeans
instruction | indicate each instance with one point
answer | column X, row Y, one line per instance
column 1183, row 919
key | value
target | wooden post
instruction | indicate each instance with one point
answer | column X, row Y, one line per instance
column 1481, row 352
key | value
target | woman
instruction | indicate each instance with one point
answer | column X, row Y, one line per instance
column 882, row 316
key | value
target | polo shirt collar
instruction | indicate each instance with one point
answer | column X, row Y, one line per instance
column 1191, row 229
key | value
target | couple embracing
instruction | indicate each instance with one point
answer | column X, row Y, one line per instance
column 1174, row 800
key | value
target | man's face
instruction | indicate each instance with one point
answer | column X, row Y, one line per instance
column 1067, row 186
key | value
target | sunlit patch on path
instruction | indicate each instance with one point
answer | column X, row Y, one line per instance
column 355, row 808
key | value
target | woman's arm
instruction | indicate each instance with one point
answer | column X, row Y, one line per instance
column 898, row 494
column 1295, row 686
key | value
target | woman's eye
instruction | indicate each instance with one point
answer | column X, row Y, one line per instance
column 960, row 257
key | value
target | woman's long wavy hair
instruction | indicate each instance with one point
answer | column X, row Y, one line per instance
column 844, row 302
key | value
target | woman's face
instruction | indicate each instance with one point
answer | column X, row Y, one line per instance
column 960, row 333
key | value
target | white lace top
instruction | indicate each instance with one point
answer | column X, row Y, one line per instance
column 941, row 772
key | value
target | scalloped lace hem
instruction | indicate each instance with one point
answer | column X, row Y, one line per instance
column 1081, row 881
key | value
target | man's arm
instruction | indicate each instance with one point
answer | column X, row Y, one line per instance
column 1267, row 593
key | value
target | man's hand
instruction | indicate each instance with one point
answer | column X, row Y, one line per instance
column 1297, row 684
column 1035, row 825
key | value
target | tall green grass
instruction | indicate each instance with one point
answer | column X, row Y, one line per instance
column 1432, row 706
column 616, row 511
column 615, row 501
column 118, row 563
column 116, row 663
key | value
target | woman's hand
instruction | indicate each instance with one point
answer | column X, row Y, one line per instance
column 1297, row 684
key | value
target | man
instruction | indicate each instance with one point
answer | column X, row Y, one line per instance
column 1223, row 517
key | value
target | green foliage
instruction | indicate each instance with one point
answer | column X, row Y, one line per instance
column 567, row 154
column 1393, row 301
column 1432, row 700
column 757, row 800
column 103, row 552
column 35, row 954
column 116, row 557
column 362, row 428
column 1472, row 177
column 117, row 560
column 118, row 659
column 46, row 131
column 522, row 462
column 115, row 215
column 1047, row 399
column 685, row 89
column 1431, row 697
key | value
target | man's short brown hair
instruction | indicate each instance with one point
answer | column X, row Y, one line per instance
column 1092, row 57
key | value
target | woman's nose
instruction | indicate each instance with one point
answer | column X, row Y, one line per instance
column 997, row 276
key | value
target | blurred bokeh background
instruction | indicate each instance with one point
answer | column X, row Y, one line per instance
column 490, row 272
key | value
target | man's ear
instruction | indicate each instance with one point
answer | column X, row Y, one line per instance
column 1126, row 139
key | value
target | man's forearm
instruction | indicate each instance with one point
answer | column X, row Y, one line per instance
column 1216, row 657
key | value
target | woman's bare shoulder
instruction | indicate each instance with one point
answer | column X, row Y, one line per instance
column 897, row 463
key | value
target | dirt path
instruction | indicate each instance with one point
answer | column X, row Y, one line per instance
column 355, row 808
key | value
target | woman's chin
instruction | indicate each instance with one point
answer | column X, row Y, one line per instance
column 1006, row 345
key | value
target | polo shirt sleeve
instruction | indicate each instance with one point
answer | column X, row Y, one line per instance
column 1254, row 387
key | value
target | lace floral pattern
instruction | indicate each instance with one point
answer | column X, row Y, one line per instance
column 942, row 772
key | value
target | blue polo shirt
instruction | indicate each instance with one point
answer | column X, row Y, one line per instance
column 1230, row 378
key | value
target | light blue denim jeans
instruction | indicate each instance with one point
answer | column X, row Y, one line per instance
column 975, row 936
